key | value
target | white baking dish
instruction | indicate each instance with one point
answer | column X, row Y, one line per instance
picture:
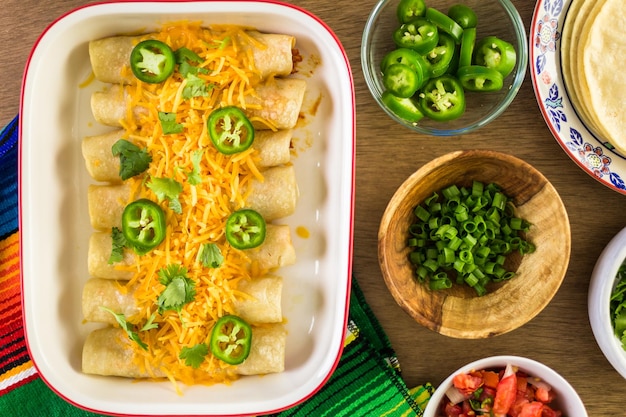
column 54, row 221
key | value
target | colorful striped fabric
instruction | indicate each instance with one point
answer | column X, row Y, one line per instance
column 367, row 381
column 16, row 368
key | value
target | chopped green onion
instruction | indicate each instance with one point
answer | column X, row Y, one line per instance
column 440, row 284
column 421, row 213
column 467, row 232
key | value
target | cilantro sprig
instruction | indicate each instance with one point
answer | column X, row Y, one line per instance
column 118, row 245
column 168, row 123
column 131, row 330
column 194, row 355
column 194, row 176
column 210, row 255
column 133, row 159
column 179, row 288
column 167, row 189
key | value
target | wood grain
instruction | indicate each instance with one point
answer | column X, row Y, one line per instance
column 559, row 336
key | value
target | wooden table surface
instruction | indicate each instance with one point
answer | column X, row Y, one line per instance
column 560, row 336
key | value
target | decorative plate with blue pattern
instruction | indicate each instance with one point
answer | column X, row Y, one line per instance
column 593, row 155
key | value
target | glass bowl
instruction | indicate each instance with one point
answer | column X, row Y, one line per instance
column 495, row 17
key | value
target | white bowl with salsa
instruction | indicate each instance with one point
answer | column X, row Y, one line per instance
column 562, row 396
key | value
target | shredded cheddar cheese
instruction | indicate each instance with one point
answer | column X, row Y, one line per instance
column 205, row 206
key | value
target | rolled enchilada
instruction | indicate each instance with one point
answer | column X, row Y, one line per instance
column 274, row 197
column 106, row 204
column 109, row 351
column 99, row 253
column 278, row 101
column 260, row 302
column 274, row 148
column 276, row 251
column 272, row 55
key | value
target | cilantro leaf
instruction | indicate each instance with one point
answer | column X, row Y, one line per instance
column 185, row 54
column 193, row 176
column 133, row 160
column 210, row 255
column 179, row 288
column 175, row 206
column 168, row 123
column 119, row 243
column 185, row 57
column 130, row 331
column 186, row 69
column 220, row 44
column 150, row 324
column 167, row 189
column 196, row 87
column 194, row 356
column 167, row 274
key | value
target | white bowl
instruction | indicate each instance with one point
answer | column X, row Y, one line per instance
column 599, row 296
column 567, row 400
column 54, row 222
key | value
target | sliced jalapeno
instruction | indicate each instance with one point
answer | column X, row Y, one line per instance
column 408, row 57
column 440, row 57
column 152, row 61
column 230, row 130
column 410, row 9
column 468, row 41
column 245, row 229
column 495, row 53
column 402, row 80
column 404, row 108
column 479, row 78
column 463, row 15
column 143, row 225
column 419, row 34
column 231, row 339
column 442, row 98
column 445, row 24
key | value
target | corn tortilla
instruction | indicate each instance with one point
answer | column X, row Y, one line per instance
column 591, row 63
column 603, row 69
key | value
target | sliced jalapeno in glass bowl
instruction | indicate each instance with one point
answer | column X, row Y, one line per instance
column 408, row 57
column 440, row 57
column 463, row 15
column 442, row 99
column 444, row 23
column 479, row 78
column 495, row 53
column 405, row 108
column 419, row 34
column 410, row 9
column 461, row 21
column 468, row 42
column 402, row 80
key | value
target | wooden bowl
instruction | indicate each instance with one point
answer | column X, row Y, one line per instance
column 458, row 311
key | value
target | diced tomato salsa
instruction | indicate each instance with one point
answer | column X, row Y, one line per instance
column 506, row 392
